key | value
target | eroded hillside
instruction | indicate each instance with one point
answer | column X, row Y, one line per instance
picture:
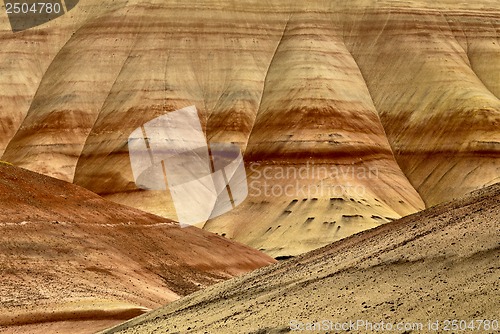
column 401, row 99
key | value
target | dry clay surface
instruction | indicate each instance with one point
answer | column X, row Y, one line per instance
column 400, row 98
column 441, row 263
column 72, row 262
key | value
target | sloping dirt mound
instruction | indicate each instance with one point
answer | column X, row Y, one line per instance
column 399, row 98
column 440, row 264
column 67, row 255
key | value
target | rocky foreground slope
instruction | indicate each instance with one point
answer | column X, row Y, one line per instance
column 390, row 106
column 72, row 262
column 439, row 264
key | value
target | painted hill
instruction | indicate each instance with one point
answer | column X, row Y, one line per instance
column 390, row 106
column 73, row 262
column 438, row 264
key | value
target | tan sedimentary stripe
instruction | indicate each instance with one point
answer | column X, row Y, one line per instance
column 63, row 3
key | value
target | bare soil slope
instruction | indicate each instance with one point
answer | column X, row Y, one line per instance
column 400, row 98
column 71, row 261
column 442, row 263
column 409, row 90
